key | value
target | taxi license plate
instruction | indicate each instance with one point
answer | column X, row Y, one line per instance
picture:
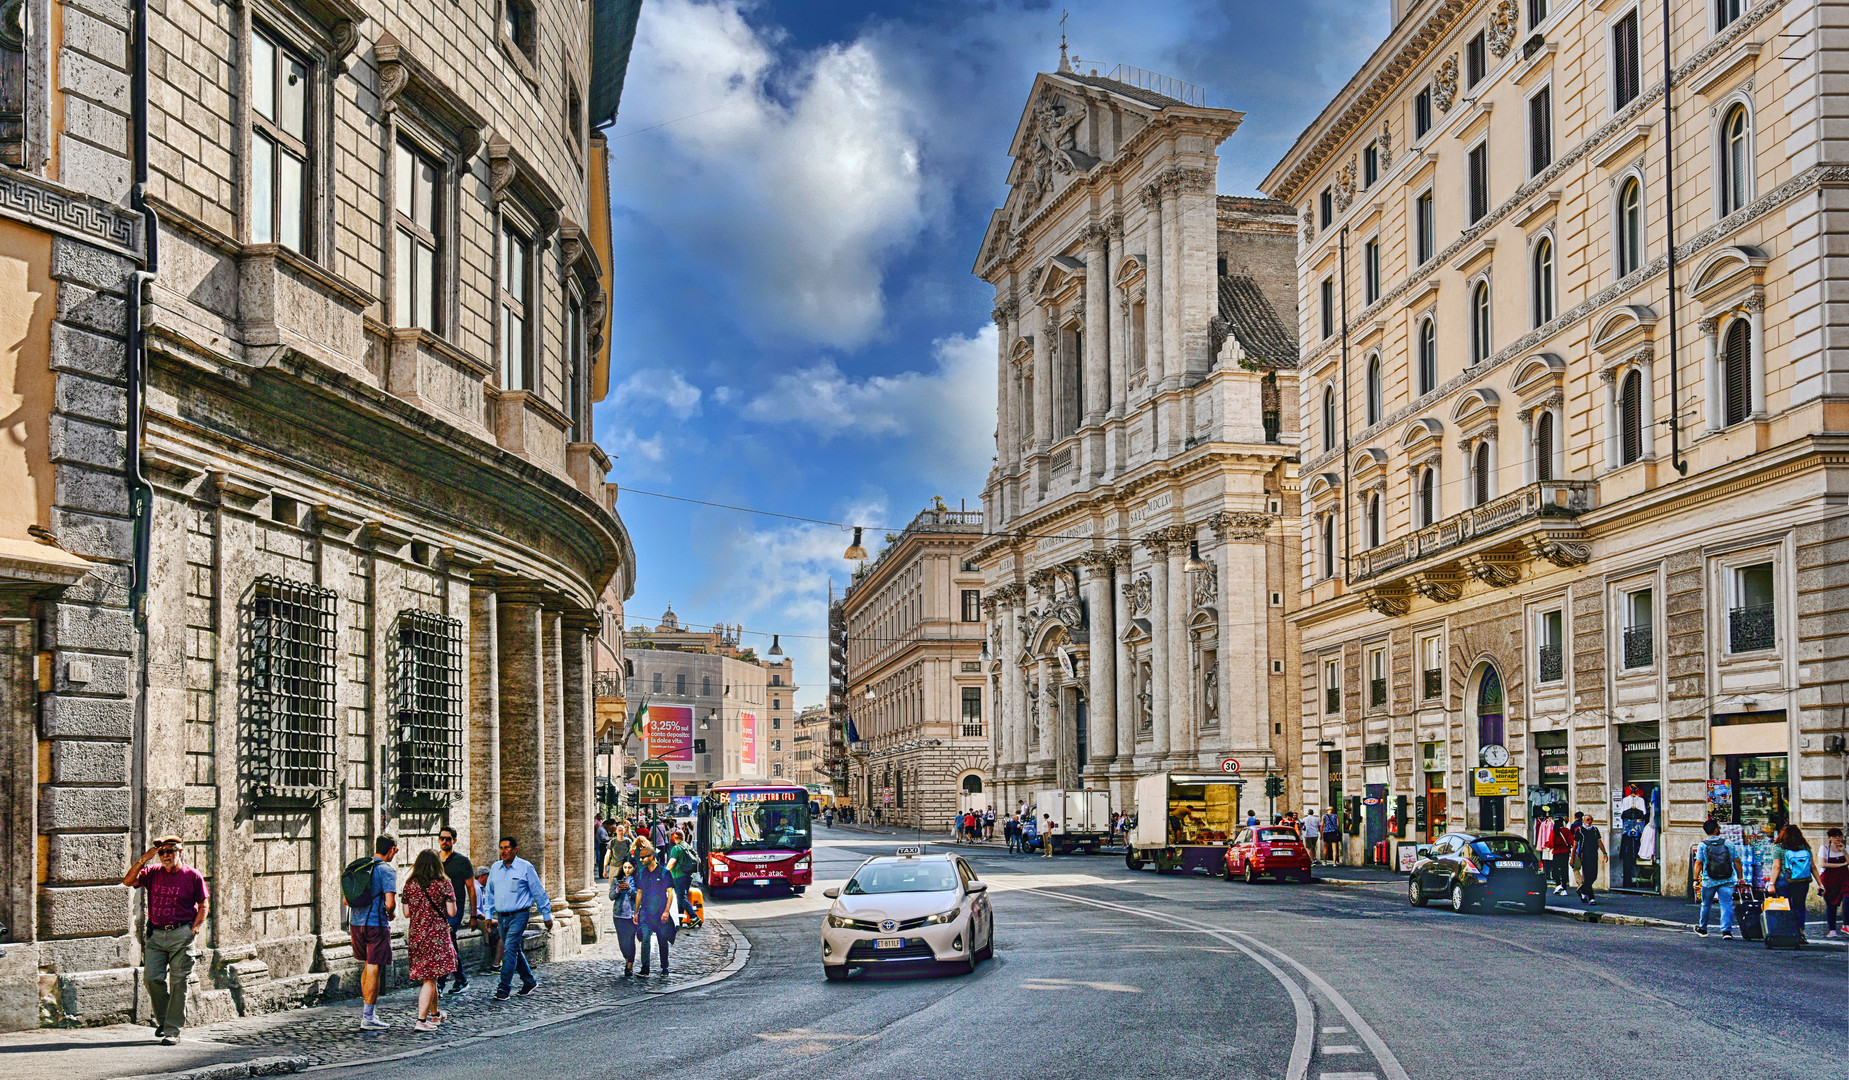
column 889, row 943
column 1515, row 863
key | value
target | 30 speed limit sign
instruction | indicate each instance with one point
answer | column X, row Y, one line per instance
column 1229, row 766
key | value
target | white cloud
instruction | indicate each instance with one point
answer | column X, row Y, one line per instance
column 630, row 444
column 672, row 391
column 947, row 414
column 795, row 177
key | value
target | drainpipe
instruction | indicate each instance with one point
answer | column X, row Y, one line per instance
column 1342, row 271
column 141, row 493
column 1669, row 233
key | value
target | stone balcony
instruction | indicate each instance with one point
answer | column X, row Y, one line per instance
column 1493, row 543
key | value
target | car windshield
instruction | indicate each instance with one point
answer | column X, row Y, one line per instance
column 1277, row 836
column 752, row 821
column 906, row 876
column 1501, row 847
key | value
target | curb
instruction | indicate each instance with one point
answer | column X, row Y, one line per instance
column 280, row 1066
column 1615, row 919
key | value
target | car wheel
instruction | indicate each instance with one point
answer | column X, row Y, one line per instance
column 1249, row 876
column 836, row 972
column 987, row 952
column 1131, row 861
column 1415, row 892
column 1458, row 903
column 1226, row 869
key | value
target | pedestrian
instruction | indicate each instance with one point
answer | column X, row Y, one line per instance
column 1722, row 868
column 430, row 905
column 659, row 835
column 602, row 836
column 680, row 862
column 616, row 853
column 491, row 955
column 1833, row 879
column 177, row 904
column 1046, row 832
column 1332, row 835
column 1310, row 830
column 369, row 928
column 1560, row 842
column 988, row 824
column 513, row 892
column 1791, row 872
column 654, row 916
column 1251, row 819
column 1591, row 850
column 623, row 910
column 1011, row 832
column 1573, row 830
column 461, row 874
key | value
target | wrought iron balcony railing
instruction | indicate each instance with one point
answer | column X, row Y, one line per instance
column 1547, row 499
column 1751, row 628
column 1639, row 646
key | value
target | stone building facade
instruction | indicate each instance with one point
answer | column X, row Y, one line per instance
column 346, row 527
column 916, row 686
column 810, row 746
column 1145, row 348
column 1554, row 502
column 780, row 739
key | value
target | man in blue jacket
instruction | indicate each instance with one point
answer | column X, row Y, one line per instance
column 513, row 892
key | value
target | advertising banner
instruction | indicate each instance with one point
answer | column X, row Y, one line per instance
column 654, row 777
column 748, row 743
column 670, row 737
column 1494, row 782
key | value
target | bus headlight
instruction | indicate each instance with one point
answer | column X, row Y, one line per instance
column 943, row 916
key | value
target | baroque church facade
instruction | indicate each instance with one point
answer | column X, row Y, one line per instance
column 1141, row 508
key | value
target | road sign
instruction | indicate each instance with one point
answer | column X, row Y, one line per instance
column 1229, row 766
column 886, row 796
column 1495, row 782
column 653, row 777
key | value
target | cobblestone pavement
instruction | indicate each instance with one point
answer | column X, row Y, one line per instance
column 331, row 1032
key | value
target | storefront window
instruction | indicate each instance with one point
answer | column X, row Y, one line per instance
column 1550, row 788
column 1750, row 789
column 1637, row 811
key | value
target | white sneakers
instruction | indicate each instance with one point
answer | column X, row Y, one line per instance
column 373, row 1023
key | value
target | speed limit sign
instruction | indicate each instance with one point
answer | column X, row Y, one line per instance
column 1229, row 766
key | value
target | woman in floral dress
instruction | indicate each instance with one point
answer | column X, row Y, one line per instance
column 429, row 900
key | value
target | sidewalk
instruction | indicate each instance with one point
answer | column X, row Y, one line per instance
column 297, row 1039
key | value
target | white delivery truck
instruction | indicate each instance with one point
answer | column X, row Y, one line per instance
column 1081, row 819
column 1184, row 821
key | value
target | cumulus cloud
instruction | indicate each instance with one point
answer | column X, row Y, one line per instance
column 796, row 177
column 946, row 415
column 655, row 386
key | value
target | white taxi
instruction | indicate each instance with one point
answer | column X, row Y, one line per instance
column 911, row 907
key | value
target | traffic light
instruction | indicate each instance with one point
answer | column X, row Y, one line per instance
column 1399, row 815
column 1274, row 786
column 699, row 746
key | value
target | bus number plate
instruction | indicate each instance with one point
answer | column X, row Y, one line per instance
column 889, row 943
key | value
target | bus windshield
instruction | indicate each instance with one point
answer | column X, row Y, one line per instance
column 759, row 821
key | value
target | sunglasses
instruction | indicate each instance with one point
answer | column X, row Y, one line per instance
column 167, row 851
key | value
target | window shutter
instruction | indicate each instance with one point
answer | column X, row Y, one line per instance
column 1541, row 130
column 1630, row 419
column 1544, row 447
column 1736, row 374
column 1481, row 471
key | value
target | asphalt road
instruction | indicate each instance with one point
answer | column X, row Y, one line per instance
column 1101, row 972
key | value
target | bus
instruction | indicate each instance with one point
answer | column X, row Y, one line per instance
column 755, row 832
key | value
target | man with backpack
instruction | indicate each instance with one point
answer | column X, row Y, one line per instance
column 370, row 887
column 1722, row 868
column 1591, row 848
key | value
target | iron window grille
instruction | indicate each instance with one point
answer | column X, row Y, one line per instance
column 1434, row 682
column 1377, row 692
column 1751, row 628
column 291, row 688
column 1550, row 663
column 427, row 697
column 1332, row 699
column 1639, row 647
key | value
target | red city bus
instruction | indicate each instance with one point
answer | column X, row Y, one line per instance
column 755, row 832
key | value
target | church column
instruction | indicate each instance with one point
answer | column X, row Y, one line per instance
column 1043, row 382
column 523, row 724
column 1043, row 711
column 1097, row 326
column 1195, row 283
column 1159, row 646
column 1118, row 365
column 1153, row 302
column 580, row 783
column 1182, row 729
column 1101, row 651
column 1015, row 600
column 1126, row 670
column 1174, row 307
column 1007, row 439
column 1245, row 639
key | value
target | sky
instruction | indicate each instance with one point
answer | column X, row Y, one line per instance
column 798, row 193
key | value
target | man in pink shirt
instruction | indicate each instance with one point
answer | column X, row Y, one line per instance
column 177, row 905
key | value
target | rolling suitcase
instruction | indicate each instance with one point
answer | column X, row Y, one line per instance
column 1784, row 929
column 1746, row 910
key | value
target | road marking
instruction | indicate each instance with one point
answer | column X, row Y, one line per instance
column 1335, row 1031
column 1341, row 1049
column 1305, row 1013
column 1069, row 984
column 1347, row 1076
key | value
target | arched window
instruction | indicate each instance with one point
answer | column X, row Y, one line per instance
column 1479, row 473
column 1328, row 545
column 1489, row 709
column 1374, row 396
column 1736, row 161
column 1630, row 418
column 1544, row 282
column 1428, row 496
column 1544, row 446
column 1630, row 232
column 1737, row 373
column 1373, row 521
column 972, row 784
column 1479, row 323
column 1428, row 356
column 1328, row 418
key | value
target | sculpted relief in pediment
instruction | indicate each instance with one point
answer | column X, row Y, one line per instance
column 1051, row 150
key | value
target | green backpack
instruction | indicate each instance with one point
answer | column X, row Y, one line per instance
column 356, row 881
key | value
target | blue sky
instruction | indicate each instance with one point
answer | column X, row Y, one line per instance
column 798, row 193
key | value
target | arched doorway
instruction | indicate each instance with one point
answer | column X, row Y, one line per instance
column 1491, row 710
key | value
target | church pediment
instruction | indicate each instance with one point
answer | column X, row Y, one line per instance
column 1062, row 136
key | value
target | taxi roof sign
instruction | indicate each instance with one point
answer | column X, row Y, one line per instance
column 910, row 850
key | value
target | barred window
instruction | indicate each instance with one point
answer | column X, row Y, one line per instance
column 291, row 688
column 427, row 694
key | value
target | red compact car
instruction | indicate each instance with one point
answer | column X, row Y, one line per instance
column 1274, row 851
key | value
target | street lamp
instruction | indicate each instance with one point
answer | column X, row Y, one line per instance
column 1195, row 563
column 984, row 655
column 855, row 550
column 776, row 645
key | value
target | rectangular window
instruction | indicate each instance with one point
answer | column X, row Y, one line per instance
column 1139, row 341
column 1541, row 130
column 1431, row 668
column 279, row 132
column 1328, row 307
column 427, row 693
column 1424, row 215
column 1326, row 201
column 1750, row 625
column 1549, row 664
column 291, row 686
column 415, row 215
column 972, row 605
column 680, row 686
column 1332, row 687
column 1479, row 182
column 1625, row 72
column 1476, row 61
column 1377, row 679
column 1422, row 113
column 972, row 710
column 1370, row 270
column 655, row 683
column 1370, row 165
column 1537, row 13
column 516, row 301
column 574, row 369
column 1639, row 629
column 1726, row 11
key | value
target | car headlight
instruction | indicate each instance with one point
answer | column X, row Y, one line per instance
column 943, row 916
column 840, row 921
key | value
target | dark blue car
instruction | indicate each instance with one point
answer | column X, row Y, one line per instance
column 1469, row 870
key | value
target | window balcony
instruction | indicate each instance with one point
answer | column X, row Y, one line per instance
column 1639, row 646
column 1750, row 629
column 972, row 731
column 1550, row 665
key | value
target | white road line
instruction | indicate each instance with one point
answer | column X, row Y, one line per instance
column 1341, row 1049
column 1383, row 1055
column 1346, row 1076
column 1335, row 1031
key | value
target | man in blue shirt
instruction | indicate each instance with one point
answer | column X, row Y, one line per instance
column 370, row 930
column 1722, row 867
column 513, row 891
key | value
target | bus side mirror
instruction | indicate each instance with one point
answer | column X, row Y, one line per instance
column 831, row 893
